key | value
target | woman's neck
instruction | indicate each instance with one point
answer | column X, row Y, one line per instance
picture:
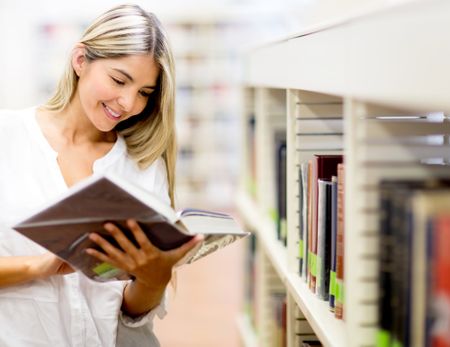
column 75, row 127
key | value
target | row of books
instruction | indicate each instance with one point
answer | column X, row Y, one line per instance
column 321, row 228
column 414, row 263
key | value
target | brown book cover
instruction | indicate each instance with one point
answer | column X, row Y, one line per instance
column 63, row 226
column 339, row 308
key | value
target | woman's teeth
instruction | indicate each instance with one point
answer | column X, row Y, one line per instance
column 111, row 112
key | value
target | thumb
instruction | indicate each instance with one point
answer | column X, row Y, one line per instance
column 181, row 251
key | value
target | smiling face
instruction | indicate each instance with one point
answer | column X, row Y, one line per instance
column 112, row 90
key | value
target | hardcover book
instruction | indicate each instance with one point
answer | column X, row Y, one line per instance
column 64, row 225
column 332, row 288
column 440, row 288
column 303, row 220
column 340, row 234
column 323, row 240
column 324, row 168
column 428, row 207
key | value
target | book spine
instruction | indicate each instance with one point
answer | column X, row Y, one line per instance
column 339, row 292
column 399, row 295
column 324, row 240
column 310, row 227
column 432, row 275
column 313, row 235
column 280, row 185
column 332, row 287
column 300, row 222
column 327, row 262
column 440, row 332
column 385, row 271
column 321, row 216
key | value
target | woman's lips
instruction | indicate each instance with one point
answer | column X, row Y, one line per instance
column 111, row 113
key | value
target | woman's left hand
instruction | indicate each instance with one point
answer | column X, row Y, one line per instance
column 150, row 266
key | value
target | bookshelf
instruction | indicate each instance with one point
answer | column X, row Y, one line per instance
column 371, row 88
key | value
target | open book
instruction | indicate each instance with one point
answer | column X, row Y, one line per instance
column 64, row 225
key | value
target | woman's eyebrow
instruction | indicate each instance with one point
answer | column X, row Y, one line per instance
column 127, row 75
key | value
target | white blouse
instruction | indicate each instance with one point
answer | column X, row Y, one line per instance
column 68, row 310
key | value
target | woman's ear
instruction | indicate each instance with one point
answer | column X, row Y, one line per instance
column 78, row 58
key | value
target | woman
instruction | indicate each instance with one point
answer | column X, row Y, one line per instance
column 113, row 110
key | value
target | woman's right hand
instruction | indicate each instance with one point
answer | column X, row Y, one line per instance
column 48, row 264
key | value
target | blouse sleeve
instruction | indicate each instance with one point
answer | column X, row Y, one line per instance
column 146, row 318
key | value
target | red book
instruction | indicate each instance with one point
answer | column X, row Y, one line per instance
column 440, row 331
column 339, row 304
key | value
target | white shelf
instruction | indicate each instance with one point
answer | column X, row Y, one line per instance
column 246, row 332
column 331, row 331
column 379, row 64
column 393, row 49
column 265, row 232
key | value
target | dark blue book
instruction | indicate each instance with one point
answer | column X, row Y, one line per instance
column 332, row 285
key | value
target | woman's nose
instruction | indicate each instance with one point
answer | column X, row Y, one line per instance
column 127, row 100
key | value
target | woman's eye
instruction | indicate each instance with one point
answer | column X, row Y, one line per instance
column 145, row 94
column 119, row 82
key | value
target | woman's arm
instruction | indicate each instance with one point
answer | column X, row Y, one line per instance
column 18, row 270
column 151, row 267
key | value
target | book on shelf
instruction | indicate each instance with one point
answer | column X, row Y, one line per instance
column 324, row 167
column 406, row 258
column 303, row 220
column 280, row 185
column 440, row 288
column 63, row 226
column 340, row 234
column 334, row 208
column 323, row 239
column 311, row 259
column 427, row 207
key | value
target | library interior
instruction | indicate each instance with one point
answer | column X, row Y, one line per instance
column 321, row 127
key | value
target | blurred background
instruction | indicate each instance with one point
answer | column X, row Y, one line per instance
column 209, row 40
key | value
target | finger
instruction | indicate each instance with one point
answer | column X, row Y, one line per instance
column 123, row 241
column 109, row 249
column 181, row 251
column 140, row 236
column 100, row 256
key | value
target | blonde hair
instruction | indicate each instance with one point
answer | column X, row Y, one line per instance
column 126, row 30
